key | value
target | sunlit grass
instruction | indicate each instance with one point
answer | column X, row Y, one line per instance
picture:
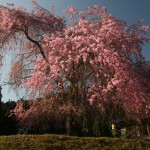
column 61, row 142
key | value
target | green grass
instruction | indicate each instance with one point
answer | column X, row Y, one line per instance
column 61, row 142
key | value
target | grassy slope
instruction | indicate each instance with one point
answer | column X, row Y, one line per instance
column 60, row 142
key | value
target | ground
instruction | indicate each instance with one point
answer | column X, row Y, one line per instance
column 61, row 142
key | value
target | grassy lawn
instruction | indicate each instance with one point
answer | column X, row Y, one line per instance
column 61, row 142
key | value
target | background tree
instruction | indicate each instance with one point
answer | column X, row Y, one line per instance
column 8, row 125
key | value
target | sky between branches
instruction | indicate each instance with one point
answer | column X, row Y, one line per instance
column 128, row 10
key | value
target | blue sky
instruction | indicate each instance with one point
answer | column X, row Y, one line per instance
column 128, row 10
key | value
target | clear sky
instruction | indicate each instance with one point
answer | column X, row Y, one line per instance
column 128, row 10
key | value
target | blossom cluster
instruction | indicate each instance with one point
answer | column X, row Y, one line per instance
column 101, row 54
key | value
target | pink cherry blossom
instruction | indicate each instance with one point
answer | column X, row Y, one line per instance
column 98, row 61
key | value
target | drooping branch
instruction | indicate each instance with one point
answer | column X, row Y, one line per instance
column 36, row 43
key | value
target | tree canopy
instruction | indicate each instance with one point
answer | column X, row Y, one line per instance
column 97, row 60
